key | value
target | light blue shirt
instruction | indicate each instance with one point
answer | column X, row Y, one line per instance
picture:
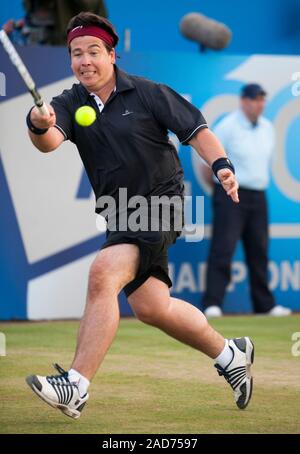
column 249, row 147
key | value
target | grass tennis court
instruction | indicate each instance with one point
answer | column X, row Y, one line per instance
column 150, row 383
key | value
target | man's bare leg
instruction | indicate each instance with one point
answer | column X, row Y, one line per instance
column 153, row 305
column 112, row 269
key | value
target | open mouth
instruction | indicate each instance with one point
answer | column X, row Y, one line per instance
column 87, row 73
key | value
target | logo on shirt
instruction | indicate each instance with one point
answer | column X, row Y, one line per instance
column 127, row 112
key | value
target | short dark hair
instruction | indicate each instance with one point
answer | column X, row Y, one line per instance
column 86, row 18
column 252, row 91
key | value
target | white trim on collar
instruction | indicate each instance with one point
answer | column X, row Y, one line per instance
column 98, row 100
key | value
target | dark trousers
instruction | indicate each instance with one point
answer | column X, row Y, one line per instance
column 247, row 221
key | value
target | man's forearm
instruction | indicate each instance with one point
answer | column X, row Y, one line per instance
column 210, row 149
column 46, row 142
column 208, row 146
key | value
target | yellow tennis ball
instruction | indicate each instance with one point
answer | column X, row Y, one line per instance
column 85, row 116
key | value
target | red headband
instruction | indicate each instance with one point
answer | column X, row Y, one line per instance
column 91, row 30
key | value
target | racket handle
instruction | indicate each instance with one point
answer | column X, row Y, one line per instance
column 43, row 109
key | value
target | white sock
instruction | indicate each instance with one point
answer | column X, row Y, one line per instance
column 82, row 382
column 225, row 356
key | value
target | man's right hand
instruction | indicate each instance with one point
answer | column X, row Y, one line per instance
column 53, row 138
column 43, row 121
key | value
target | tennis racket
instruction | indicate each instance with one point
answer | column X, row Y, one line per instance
column 22, row 70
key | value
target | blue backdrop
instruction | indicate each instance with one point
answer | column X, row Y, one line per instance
column 259, row 26
column 211, row 83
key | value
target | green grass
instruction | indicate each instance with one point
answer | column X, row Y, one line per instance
column 149, row 383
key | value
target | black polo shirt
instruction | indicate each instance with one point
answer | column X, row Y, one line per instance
column 128, row 144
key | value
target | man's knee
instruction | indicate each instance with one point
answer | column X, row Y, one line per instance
column 101, row 278
column 106, row 275
column 113, row 268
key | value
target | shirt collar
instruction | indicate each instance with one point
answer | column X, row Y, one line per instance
column 123, row 83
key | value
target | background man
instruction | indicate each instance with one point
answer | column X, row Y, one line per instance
column 248, row 139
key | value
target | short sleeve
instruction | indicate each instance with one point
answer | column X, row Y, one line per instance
column 176, row 114
column 63, row 116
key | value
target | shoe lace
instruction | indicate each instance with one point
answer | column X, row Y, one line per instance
column 61, row 379
column 232, row 377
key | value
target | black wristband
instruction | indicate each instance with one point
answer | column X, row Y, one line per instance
column 32, row 128
column 222, row 163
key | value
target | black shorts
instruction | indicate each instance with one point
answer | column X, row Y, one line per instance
column 153, row 248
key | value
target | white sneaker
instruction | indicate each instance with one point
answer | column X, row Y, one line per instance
column 238, row 372
column 279, row 311
column 59, row 392
column 213, row 312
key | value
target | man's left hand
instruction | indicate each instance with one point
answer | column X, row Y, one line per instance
column 229, row 183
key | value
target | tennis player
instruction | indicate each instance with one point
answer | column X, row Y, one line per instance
column 128, row 148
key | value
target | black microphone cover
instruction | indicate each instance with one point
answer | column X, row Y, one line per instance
column 207, row 32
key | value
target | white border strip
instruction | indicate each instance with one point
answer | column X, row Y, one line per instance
column 198, row 127
column 61, row 130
